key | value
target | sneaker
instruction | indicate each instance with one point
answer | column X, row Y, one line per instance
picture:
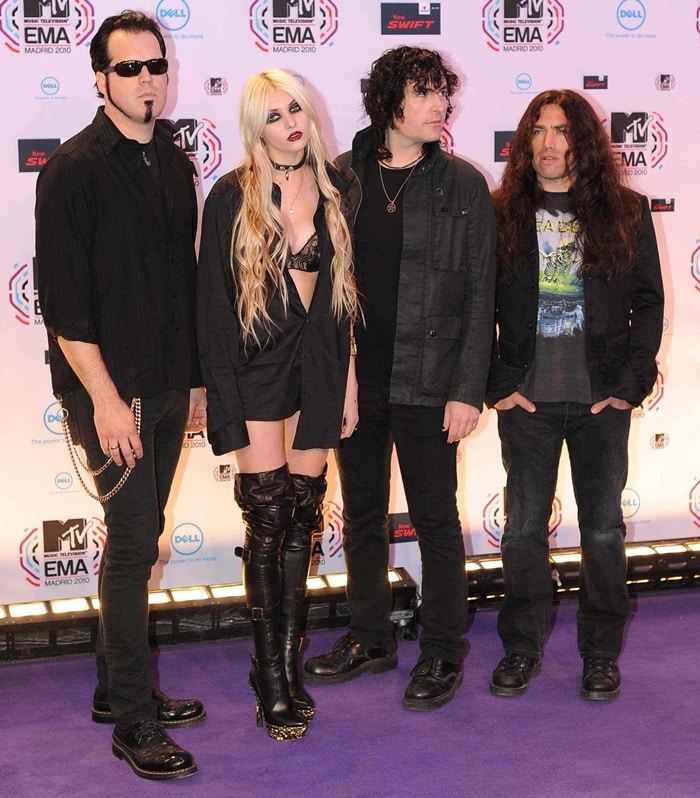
column 601, row 679
column 513, row 673
column 346, row 661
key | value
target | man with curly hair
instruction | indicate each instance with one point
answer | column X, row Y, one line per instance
column 579, row 317
column 425, row 262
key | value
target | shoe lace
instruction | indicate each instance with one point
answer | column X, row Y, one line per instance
column 602, row 665
column 425, row 666
column 517, row 661
column 146, row 731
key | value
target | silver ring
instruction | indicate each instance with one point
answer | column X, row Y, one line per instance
column 114, row 447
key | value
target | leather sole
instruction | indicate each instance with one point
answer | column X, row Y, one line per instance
column 105, row 716
column 600, row 695
column 379, row 665
column 155, row 775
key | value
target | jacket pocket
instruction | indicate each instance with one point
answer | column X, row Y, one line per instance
column 441, row 340
column 616, row 349
column 449, row 237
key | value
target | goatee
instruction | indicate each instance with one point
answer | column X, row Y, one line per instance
column 148, row 114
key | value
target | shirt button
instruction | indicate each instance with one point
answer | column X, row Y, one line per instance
column 432, row 332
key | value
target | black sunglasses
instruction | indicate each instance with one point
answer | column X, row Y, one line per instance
column 132, row 69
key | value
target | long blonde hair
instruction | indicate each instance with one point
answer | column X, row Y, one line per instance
column 259, row 247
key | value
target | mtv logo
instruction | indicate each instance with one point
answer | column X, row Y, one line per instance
column 46, row 9
column 68, row 535
column 629, row 128
column 187, row 133
column 293, row 8
column 523, row 9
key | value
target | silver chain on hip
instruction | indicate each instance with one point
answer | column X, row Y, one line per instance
column 76, row 461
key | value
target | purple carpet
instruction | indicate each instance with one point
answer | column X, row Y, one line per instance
column 362, row 743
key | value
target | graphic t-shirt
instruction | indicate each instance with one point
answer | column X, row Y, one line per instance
column 559, row 373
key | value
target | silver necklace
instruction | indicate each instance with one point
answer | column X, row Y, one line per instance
column 391, row 203
column 296, row 196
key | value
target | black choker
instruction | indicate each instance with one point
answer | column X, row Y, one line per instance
column 282, row 167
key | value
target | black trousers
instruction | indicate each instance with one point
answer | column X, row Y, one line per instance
column 134, row 518
column 429, row 475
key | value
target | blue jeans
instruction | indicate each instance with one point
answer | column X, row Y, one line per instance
column 135, row 518
column 429, row 474
column 531, row 446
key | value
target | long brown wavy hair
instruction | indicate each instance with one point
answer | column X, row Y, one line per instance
column 258, row 244
column 609, row 214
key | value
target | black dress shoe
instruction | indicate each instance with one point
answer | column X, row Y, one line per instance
column 601, row 679
column 151, row 753
column 434, row 683
column 513, row 673
column 172, row 713
column 348, row 660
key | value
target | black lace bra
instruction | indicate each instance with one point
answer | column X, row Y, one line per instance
column 308, row 259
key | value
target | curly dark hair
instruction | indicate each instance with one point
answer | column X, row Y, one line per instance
column 128, row 20
column 609, row 214
column 385, row 89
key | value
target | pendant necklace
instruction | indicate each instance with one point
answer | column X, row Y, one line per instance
column 288, row 168
column 296, row 196
column 391, row 203
column 145, row 150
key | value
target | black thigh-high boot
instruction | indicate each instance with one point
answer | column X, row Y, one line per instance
column 296, row 555
column 267, row 502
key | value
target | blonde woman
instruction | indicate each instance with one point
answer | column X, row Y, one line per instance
column 276, row 303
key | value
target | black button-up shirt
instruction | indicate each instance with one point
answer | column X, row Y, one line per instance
column 116, row 260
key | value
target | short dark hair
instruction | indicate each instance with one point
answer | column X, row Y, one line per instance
column 128, row 20
column 386, row 85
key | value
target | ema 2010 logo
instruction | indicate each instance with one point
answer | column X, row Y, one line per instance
column 494, row 519
column 328, row 544
column 198, row 139
column 639, row 139
column 293, row 26
column 522, row 25
column 23, row 296
column 63, row 553
column 694, row 501
column 46, row 26
column 695, row 266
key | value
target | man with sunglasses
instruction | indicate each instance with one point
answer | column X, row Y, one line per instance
column 116, row 218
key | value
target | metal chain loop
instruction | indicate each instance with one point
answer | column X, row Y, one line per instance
column 76, row 461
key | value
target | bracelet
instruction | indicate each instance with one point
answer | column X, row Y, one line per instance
column 353, row 346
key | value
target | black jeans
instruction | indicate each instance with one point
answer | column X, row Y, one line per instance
column 531, row 446
column 429, row 475
column 134, row 518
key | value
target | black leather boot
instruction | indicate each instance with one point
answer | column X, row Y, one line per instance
column 267, row 502
column 296, row 556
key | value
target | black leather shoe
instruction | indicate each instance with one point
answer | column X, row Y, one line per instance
column 348, row 660
column 151, row 753
column 172, row 713
column 601, row 679
column 434, row 683
column 513, row 673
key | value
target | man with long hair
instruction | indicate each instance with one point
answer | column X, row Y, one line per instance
column 116, row 217
column 425, row 261
column 579, row 316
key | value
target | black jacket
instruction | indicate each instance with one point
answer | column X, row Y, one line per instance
column 324, row 340
column 624, row 322
column 447, row 281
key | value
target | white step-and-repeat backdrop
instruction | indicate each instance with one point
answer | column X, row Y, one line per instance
column 636, row 61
